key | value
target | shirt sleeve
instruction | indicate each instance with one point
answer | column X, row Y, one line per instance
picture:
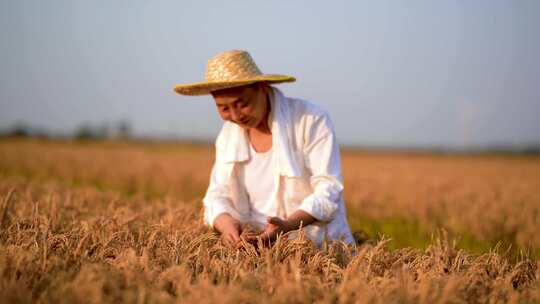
column 217, row 199
column 322, row 159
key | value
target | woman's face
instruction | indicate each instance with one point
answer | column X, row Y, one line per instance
column 246, row 105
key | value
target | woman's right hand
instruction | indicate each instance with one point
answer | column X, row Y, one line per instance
column 230, row 228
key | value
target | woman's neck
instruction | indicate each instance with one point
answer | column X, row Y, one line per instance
column 263, row 127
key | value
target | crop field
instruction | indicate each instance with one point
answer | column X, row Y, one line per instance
column 109, row 222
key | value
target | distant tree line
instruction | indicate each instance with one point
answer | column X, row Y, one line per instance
column 86, row 131
column 123, row 130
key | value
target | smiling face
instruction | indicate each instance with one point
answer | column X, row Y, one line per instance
column 246, row 106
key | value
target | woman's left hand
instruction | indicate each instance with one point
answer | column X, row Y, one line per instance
column 275, row 226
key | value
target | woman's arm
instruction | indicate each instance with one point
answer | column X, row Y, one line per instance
column 217, row 199
column 321, row 153
column 298, row 219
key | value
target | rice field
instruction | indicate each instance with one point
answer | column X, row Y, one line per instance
column 94, row 222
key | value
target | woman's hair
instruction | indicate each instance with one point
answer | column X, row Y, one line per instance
column 261, row 85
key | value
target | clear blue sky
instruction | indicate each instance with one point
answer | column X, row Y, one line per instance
column 414, row 73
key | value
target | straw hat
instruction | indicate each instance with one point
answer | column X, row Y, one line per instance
column 227, row 70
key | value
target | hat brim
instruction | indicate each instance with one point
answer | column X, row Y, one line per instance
column 206, row 87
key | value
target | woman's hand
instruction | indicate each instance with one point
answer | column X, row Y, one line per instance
column 230, row 228
column 276, row 226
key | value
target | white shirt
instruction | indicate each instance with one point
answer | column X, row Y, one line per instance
column 307, row 172
column 255, row 175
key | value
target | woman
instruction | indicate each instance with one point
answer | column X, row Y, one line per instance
column 277, row 166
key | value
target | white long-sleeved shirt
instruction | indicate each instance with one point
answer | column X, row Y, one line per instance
column 308, row 171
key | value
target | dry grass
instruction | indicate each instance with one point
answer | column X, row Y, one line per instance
column 120, row 222
column 493, row 198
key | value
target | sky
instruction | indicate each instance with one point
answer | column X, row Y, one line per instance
column 390, row 73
